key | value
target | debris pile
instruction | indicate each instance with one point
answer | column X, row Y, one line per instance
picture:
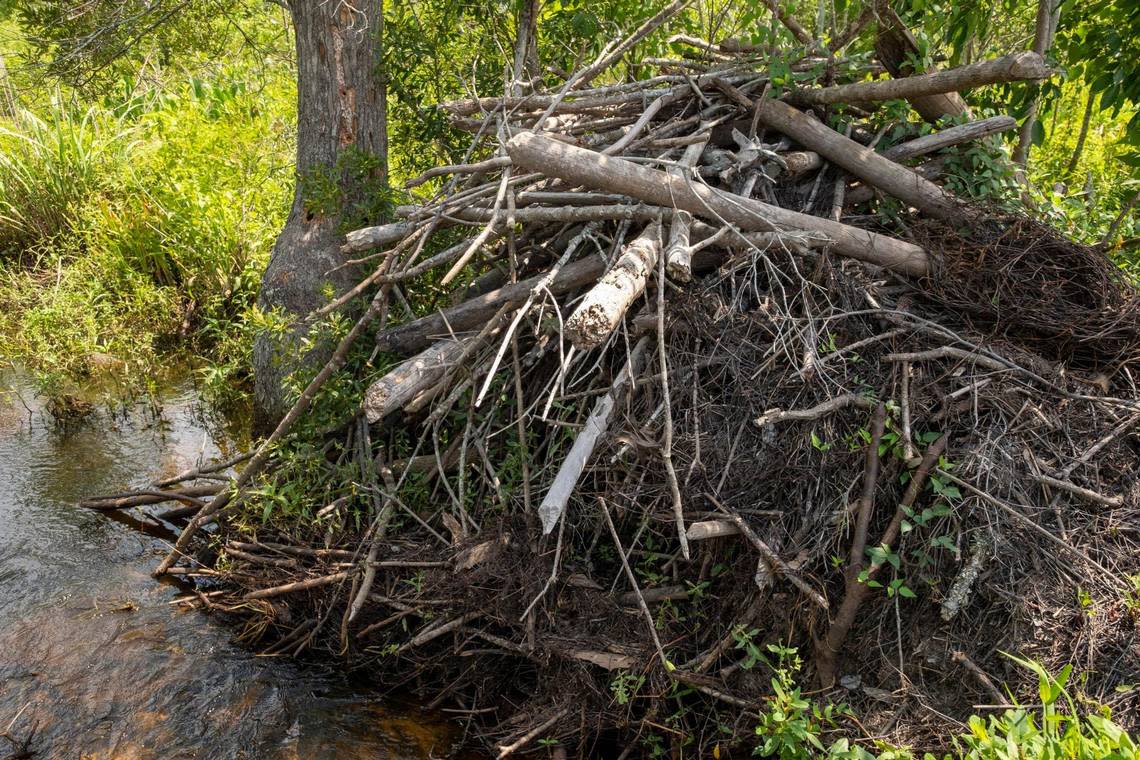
column 686, row 398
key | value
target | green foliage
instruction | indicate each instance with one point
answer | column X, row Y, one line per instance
column 133, row 227
column 50, row 166
column 1057, row 731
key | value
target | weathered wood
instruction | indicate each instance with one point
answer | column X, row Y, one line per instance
column 974, row 130
column 419, row 334
column 589, row 168
column 375, row 237
column 603, row 307
column 798, row 161
column 395, row 389
column 706, row 529
column 554, row 503
column 861, row 161
column 1025, row 66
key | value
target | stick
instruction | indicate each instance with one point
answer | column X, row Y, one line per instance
column 773, row 416
column 1084, row 493
column 775, row 564
column 554, row 503
column 867, row 498
column 827, row 649
column 633, row 583
column 587, row 167
column 667, row 444
column 860, row 161
column 678, row 257
column 975, row 130
column 305, row 585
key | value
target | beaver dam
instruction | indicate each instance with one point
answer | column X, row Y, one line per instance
column 715, row 363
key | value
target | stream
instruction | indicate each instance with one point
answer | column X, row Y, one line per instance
column 96, row 661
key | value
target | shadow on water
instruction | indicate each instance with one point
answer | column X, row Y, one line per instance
column 93, row 655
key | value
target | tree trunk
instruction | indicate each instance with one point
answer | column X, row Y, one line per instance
column 894, row 46
column 1048, row 16
column 341, row 128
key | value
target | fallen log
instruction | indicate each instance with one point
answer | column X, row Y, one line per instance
column 590, row 168
column 394, row 390
column 963, row 133
column 1025, row 66
column 603, row 307
column 860, row 161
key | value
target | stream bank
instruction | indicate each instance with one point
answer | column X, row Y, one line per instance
column 96, row 658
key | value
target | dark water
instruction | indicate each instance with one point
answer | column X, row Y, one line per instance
column 93, row 655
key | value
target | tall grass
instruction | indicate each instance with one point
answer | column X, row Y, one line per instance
column 135, row 230
column 50, row 166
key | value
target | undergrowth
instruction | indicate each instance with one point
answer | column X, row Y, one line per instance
column 793, row 727
column 137, row 227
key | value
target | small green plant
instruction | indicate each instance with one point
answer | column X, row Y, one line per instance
column 1056, row 732
column 792, row 726
column 625, row 686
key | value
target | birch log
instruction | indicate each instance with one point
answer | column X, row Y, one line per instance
column 1025, row 66
column 587, row 167
column 395, row 389
column 606, row 303
column 860, row 161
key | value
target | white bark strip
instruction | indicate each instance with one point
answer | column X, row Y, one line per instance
column 586, row 167
column 554, row 503
column 606, row 303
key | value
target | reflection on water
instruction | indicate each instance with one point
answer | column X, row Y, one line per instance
column 92, row 652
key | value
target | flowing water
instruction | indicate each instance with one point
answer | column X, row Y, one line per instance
column 95, row 660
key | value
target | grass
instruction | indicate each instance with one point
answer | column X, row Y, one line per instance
column 129, row 233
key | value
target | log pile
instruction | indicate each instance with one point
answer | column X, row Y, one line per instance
column 679, row 393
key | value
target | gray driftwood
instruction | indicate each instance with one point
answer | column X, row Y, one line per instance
column 587, row 167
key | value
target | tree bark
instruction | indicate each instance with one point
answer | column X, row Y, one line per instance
column 589, row 168
column 341, row 120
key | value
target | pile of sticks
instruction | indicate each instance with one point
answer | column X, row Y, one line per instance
column 671, row 360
